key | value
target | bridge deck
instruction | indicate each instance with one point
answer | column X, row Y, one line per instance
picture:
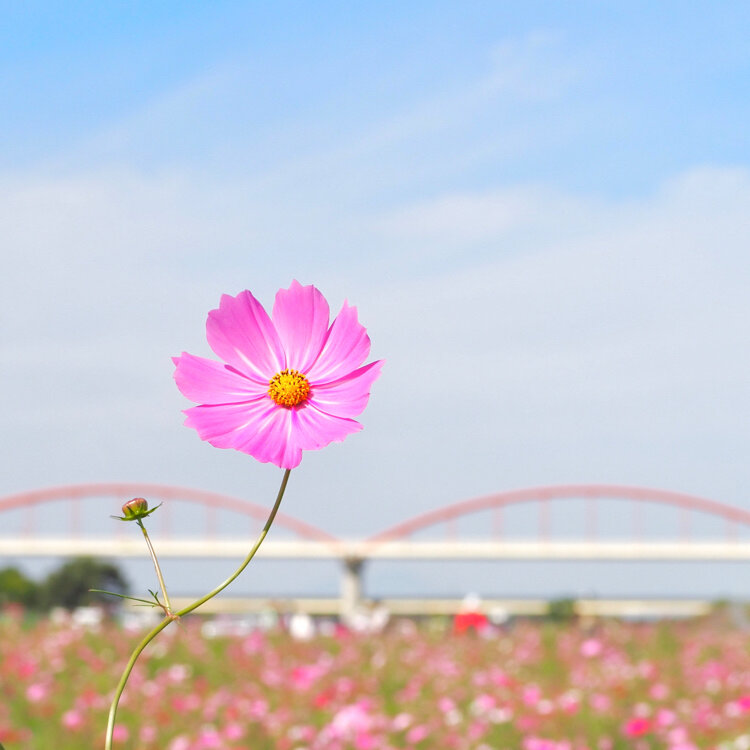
column 396, row 550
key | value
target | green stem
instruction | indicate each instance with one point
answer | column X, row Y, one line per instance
column 250, row 555
column 128, row 669
column 152, row 552
column 170, row 618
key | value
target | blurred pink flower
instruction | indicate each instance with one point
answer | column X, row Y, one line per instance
column 659, row 691
column 531, row 695
column 665, row 717
column 365, row 741
column 446, row 704
column 25, row 667
column 417, row 734
column 600, row 702
column 352, row 719
column 591, row 647
column 36, row 692
column 258, row 709
column 72, row 720
column 287, row 383
column 147, row 733
column 178, row 673
column 120, row 733
column 209, row 739
column 678, row 736
column 303, row 676
column 402, row 721
column 482, row 703
column 476, row 730
column 234, row 731
column 540, row 743
column 570, row 702
column 637, row 727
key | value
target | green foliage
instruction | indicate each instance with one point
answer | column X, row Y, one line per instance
column 16, row 588
column 69, row 585
column 562, row 610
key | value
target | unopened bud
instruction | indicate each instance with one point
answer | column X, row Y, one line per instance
column 135, row 508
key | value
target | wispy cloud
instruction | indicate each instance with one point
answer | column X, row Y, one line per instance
column 611, row 330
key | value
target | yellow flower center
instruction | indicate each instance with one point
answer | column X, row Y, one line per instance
column 288, row 388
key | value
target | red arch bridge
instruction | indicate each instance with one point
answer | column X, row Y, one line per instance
column 24, row 532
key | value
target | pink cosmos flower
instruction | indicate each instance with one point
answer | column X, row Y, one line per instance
column 121, row 733
column 36, row 692
column 287, row 383
column 637, row 727
column 72, row 720
column 417, row 734
column 591, row 647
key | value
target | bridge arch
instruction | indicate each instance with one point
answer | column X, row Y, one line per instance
column 500, row 500
column 125, row 490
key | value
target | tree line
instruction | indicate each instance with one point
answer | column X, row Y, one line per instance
column 67, row 586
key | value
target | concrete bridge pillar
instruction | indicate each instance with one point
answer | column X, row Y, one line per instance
column 351, row 586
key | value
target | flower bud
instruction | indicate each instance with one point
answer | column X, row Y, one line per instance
column 135, row 508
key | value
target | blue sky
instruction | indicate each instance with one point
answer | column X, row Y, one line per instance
column 540, row 209
column 615, row 95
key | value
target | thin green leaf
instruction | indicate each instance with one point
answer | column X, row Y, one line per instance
column 122, row 596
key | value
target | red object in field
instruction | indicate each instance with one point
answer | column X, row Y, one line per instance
column 465, row 621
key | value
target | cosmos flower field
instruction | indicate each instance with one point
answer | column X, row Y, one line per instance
column 531, row 686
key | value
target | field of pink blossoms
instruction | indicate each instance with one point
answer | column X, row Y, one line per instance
column 533, row 686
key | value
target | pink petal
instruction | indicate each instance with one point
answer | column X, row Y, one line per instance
column 260, row 428
column 242, row 334
column 207, row 382
column 274, row 439
column 348, row 396
column 224, row 424
column 346, row 347
column 301, row 315
column 313, row 428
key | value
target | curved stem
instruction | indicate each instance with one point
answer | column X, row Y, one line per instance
column 128, row 669
column 167, row 605
column 185, row 610
column 197, row 603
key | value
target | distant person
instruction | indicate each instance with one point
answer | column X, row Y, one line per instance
column 301, row 626
column 469, row 616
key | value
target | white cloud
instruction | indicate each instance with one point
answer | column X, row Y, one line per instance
column 574, row 339
column 609, row 344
